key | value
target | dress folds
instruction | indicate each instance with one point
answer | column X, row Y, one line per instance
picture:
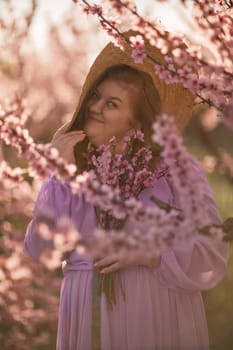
column 164, row 309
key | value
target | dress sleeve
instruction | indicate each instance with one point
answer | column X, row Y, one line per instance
column 55, row 197
column 199, row 264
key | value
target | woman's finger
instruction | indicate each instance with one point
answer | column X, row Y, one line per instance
column 67, row 140
column 72, row 135
column 62, row 129
column 74, row 132
column 68, row 135
column 70, row 142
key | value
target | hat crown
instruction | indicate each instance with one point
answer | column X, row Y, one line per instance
column 175, row 99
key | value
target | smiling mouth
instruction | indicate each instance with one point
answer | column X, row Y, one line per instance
column 94, row 118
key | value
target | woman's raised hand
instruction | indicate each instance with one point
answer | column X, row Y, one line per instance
column 65, row 142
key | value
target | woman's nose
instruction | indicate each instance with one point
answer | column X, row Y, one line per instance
column 96, row 106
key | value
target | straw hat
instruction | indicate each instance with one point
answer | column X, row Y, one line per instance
column 175, row 99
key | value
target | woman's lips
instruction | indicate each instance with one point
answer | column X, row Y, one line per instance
column 95, row 118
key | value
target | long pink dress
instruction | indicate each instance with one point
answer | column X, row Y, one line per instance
column 164, row 308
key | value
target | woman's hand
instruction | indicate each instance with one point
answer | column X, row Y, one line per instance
column 110, row 263
column 65, row 142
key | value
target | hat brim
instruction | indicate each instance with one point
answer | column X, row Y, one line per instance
column 176, row 100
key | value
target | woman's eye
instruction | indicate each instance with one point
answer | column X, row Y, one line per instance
column 94, row 94
column 111, row 104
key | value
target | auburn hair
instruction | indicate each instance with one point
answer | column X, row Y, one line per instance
column 146, row 108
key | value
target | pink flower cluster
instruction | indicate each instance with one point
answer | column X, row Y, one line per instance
column 24, row 303
column 138, row 52
column 94, row 10
column 213, row 54
column 42, row 158
column 157, row 222
column 9, row 176
column 101, row 187
column 108, row 26
column 184, row 175
column 117, row 180
column 119, row 171
column 62, row 235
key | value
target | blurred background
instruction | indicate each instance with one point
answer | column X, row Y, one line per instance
column 46, row 49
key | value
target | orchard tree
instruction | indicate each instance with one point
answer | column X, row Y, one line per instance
column 39, row 96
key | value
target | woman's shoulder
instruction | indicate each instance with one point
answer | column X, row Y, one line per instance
column 164, row 188
column 57, row 194
column 53, row 184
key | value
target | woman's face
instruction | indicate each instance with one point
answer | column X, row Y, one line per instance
column 110, row 112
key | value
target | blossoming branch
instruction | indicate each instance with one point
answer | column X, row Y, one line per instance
column 213, row 86
column 43, row 160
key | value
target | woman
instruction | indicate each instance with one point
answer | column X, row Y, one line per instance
column 163, row 308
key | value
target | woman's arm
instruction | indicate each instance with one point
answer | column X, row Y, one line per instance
column 34, row 244
column 54, row 197
column 202, row 263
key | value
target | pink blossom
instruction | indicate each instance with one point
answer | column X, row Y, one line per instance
column 94, row 10
column 138, row 55
column 139, row 135
column 138, row 52
column 137, row 41
column 214, row 51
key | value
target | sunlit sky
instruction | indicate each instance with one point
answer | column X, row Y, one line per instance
column 168, row 13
